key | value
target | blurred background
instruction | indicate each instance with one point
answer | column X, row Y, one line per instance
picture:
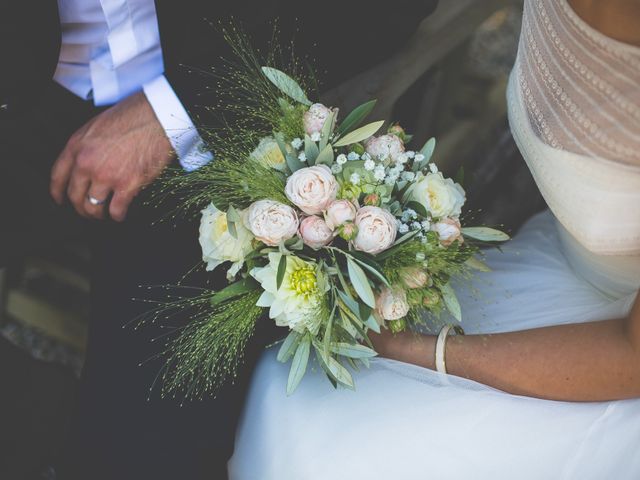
column 448, row 82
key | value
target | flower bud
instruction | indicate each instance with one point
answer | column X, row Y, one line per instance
column 397, row 326
column 315, row 232
column 391, row 303
column 373, row 199
column 314, row 118
column 339, row 212
column 396, row 130
column 431, row 299
column 414, row 277
column 358, row 148
column 351, row 192
column 348, row 231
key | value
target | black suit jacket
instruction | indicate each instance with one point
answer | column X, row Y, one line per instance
column 344, row 37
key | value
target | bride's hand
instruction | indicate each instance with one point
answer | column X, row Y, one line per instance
column 407, row 346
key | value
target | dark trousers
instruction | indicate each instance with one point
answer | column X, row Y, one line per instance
column 119, row 431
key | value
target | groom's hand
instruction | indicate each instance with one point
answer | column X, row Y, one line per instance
column 110, row 159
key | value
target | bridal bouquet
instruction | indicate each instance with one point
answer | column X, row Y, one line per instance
column 329, row 226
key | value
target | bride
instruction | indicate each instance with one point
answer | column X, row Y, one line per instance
column 546, row 383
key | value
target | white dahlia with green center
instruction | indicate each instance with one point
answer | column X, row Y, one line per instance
column 298, row 302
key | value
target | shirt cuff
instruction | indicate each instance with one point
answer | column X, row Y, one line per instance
column 175, row 120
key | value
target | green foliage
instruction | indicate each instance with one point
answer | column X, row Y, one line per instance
column 485, row 234
column 360, row 283
column 356, row 116
column 228, row 182
column 299, row 364
column 360, row 134
column 286, row 85
column 440, row 261
column 289, row 123
column 210, row 348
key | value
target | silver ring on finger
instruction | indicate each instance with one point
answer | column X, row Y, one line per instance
column 95, row 201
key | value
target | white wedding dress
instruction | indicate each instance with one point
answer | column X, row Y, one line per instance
column 574, row 109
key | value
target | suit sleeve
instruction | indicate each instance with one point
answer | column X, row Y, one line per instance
column 339, row 38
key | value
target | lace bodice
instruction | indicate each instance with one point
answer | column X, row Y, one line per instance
column 574, row 110
column 582, row 89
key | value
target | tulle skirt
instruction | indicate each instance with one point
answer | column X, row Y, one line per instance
column 406, row 422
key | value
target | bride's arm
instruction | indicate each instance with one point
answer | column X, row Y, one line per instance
column 583, row 362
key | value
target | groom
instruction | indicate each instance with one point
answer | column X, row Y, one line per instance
column 97, row 97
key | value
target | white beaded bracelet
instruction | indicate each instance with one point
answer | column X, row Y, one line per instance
column 441, row 345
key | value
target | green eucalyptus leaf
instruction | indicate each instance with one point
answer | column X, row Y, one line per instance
column 231, row 226
column 294, row 243
column 451, row 301
column 292, row 161
column 299, row 365
column 340, row 373
column 286, row 84
column 352, row 350
column 485, row 234
column 233, row 215
column 289, row 346
column 360, row 283
column 349, row 302
column 356, row 116
column 322, row 360
column 373, row 324
column 326, row 156
column 282, row 269
column 419, row 208
column 428, row 149
column 327, row 129
column 477, row 264
column 328, row 331
column 364, row 311
column 234, row 290
column 310, row 150
column 371, row 266
column 360, row 134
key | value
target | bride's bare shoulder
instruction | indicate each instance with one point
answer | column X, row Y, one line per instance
column 618, row 19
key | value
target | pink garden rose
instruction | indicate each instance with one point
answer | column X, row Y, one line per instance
column 315, row 232
column 339, row 212
column 385, row 146
column 449, row 230
column 312, row 189
column 314, row 118
column 271, row 222
column 391, row 303
column 377, row 230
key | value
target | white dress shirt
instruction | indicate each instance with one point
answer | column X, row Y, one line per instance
column 111, row 49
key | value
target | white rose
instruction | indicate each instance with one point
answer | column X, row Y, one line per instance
column 385, row 146
column 391, row 303
column 315, row 232
column 312, row 189
column 449, row 230
column 271, row 222
column 442, row 197
column 268, row 153
column 314, row 118
column 339, row 212
column 218, row 245
column 376, row 230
